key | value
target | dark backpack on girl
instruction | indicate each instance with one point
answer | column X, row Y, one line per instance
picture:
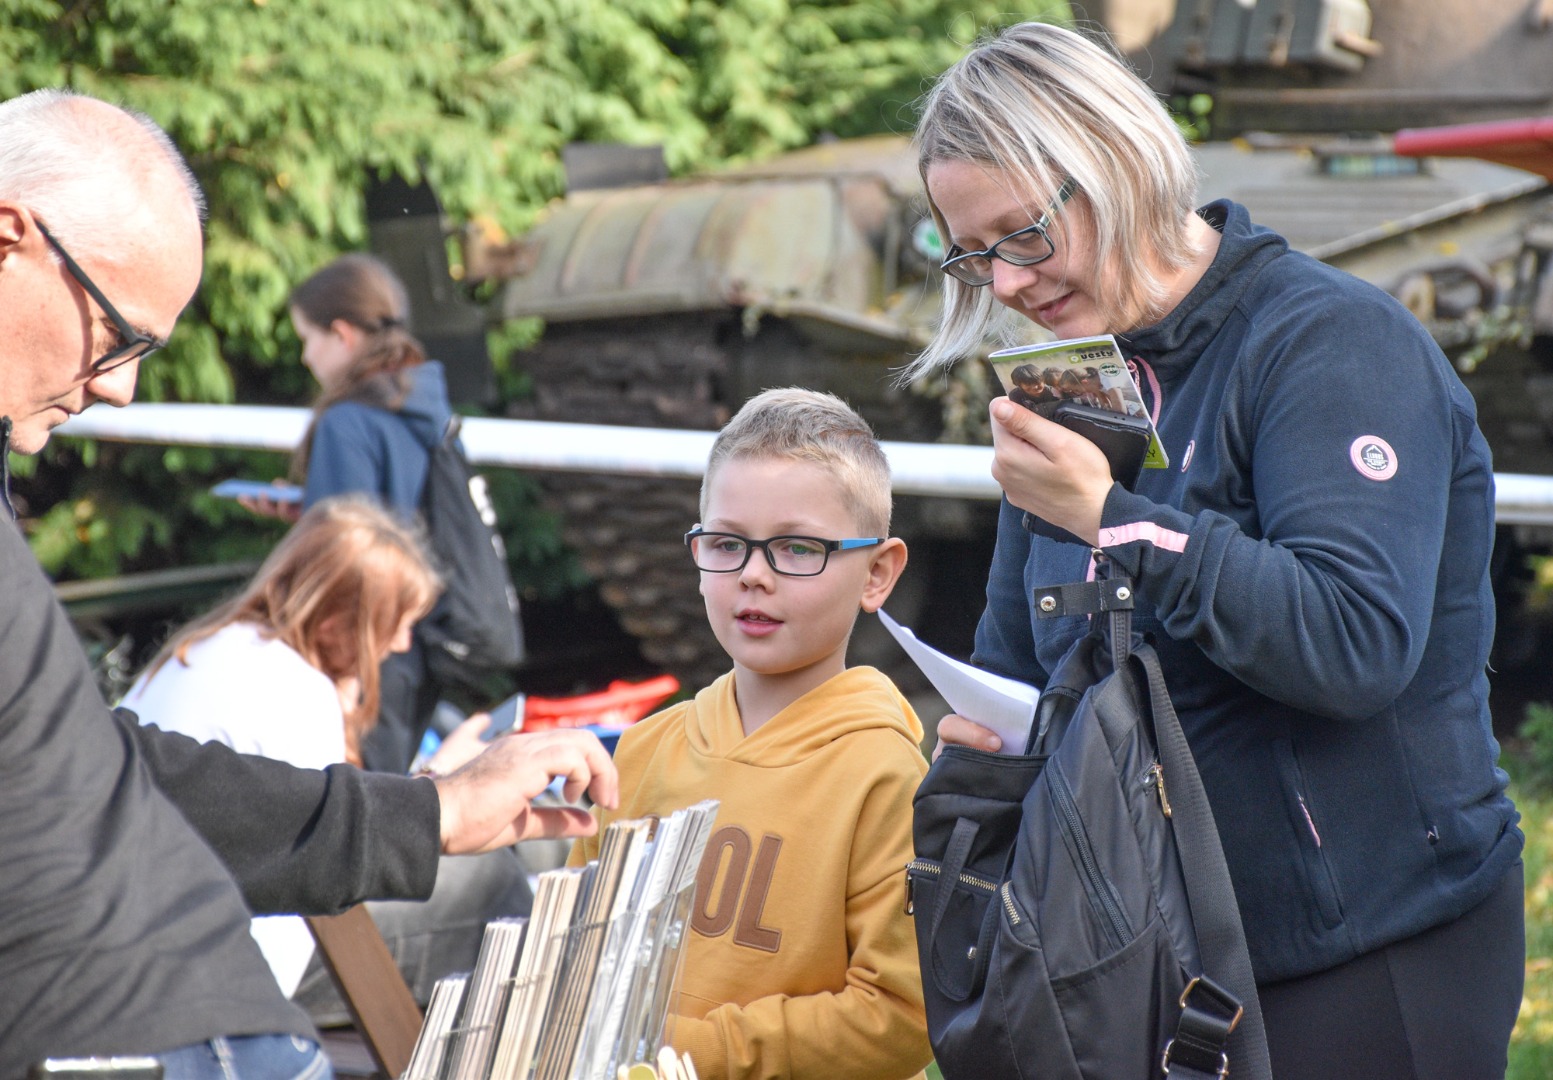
column 1075, row 918
column 474, row 631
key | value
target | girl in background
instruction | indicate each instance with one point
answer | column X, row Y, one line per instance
column 288, row 669
column 381, row 406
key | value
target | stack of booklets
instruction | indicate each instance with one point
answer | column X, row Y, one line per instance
column 583, row 988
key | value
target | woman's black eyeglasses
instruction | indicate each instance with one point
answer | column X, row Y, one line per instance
column 133, row 345
column 791, row 556
column 1024, row 247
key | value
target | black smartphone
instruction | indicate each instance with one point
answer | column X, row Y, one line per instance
column 505, row 717
column 1124, row 438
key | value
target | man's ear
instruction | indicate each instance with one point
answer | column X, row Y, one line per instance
column 13, row 227
column 884, row 570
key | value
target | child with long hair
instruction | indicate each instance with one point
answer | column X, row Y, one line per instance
column 381, row 405
column 288, row 668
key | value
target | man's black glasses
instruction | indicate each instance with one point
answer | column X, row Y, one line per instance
column 792, row 556
column 1024, row 247
column 133, row 345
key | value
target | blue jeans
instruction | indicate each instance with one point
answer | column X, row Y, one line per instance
column 248, row 1057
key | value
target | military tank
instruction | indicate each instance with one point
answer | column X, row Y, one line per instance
column 670, row 302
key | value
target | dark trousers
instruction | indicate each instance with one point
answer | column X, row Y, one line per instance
column 409, row 697
column 1437, row 1006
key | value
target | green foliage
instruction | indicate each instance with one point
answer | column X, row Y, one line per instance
column 1193, row 114
column 1531, row 1044
column 1530, row 759
column 286, row 110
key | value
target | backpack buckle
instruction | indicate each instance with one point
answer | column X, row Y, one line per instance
column 1208, row 1014
column 1164, row 1062
column 1226, row 1001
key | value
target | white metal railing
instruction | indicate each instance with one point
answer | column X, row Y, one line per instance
column 917, row 468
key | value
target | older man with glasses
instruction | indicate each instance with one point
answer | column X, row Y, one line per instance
column 129, row 858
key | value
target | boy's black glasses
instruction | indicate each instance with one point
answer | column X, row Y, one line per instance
column 133, row 345
column 1024, row 247
column 792, row 556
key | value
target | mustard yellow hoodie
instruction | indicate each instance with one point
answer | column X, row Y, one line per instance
column 801, row 961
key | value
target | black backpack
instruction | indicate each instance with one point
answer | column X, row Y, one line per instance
column 1075, row 918
column 474, row 630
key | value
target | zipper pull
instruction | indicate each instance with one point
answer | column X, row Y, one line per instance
column 911, row 903
column 1156, row 780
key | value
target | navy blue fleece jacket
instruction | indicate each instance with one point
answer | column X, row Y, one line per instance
column 363, row 448
column 1313, row 567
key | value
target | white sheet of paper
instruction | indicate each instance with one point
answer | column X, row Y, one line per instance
column 1005, row 705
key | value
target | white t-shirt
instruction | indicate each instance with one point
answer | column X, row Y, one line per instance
column 257, row 696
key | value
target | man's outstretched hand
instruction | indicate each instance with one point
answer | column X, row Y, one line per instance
column 487, row 803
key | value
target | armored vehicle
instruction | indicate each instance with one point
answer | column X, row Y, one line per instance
column 670, row 302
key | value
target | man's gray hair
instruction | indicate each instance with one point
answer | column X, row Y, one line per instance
column 83, row 170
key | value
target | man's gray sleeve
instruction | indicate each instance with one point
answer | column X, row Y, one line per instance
column 300, row 840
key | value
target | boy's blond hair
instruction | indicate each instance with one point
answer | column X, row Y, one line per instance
column 808, row 425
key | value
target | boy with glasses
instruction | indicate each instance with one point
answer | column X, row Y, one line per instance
column 801, row 961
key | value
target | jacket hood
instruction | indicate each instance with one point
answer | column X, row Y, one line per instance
column 859, row 698
column 426, row 409
column 1171, row 344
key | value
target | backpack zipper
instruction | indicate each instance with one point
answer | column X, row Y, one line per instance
column 1100, row 890
column 923, row 866
column 1155, row 778
column 1006, row 892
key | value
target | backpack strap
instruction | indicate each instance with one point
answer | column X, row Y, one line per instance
column 1221, row 1021
column 1106, row 594
column 955, row 857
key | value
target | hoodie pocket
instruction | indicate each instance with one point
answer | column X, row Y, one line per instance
column 1305, row 821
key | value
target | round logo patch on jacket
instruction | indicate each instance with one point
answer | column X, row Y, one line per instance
column 1373, row 457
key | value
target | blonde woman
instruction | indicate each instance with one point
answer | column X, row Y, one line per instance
column 288, row 669
column 1313, row 565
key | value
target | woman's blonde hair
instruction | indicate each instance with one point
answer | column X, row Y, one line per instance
column 362, row 291
column 1041, row 104
column 346, row 559
column 795, row 424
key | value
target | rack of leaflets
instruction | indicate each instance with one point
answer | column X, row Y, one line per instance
column 582, row 989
